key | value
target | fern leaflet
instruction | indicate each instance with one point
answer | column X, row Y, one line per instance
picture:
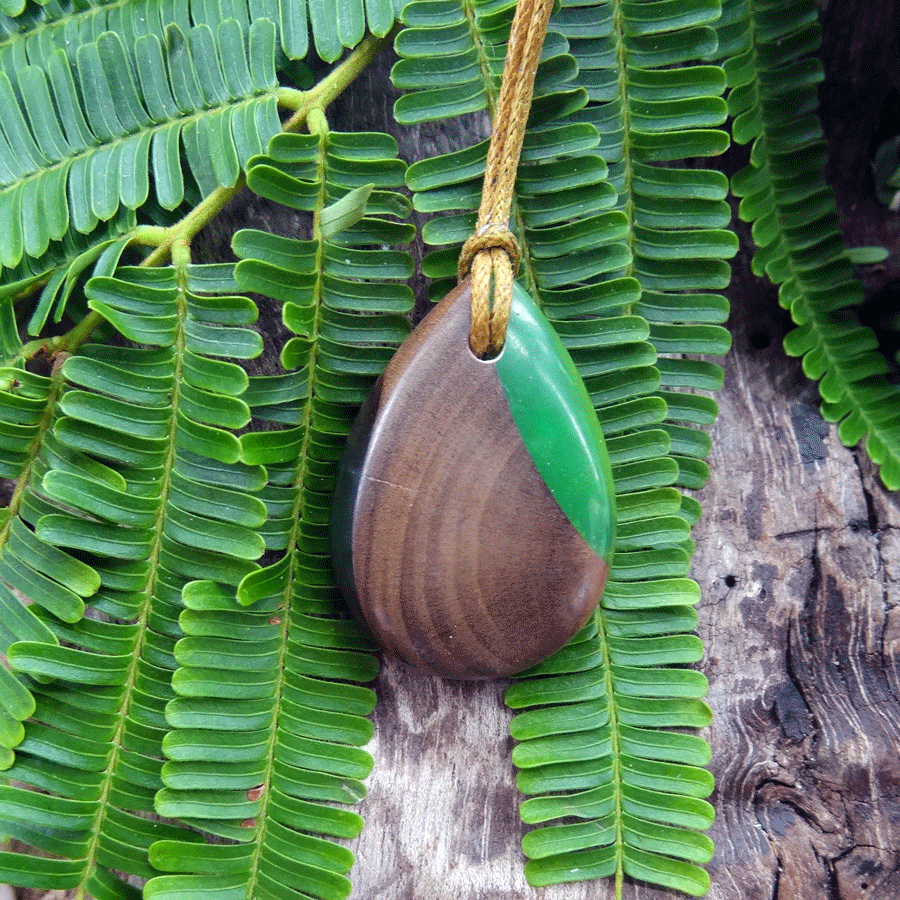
column 783, row 191
column 276, row 676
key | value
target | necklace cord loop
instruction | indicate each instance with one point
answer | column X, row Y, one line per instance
column 492, row 254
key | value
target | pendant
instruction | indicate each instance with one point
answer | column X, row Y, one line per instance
column 474, row 510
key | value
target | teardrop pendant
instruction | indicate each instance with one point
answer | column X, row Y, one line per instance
column 474, row 511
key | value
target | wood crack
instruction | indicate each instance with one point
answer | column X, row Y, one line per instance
column 793, row 712
column 867, row 495
column 831, row 875
column 854, row 526
column 776, row 881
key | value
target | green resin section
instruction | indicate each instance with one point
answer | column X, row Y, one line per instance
column 556, row 419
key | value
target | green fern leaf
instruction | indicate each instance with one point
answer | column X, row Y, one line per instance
column 648, row 830
column 52, row 580
column 783, row 192
column 36, row 33
column 137, row 477
column 624, row 267
column 88, row 134
column 268, row 723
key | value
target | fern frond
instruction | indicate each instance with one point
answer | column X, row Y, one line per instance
column 650, row 113
column 137, row 478
column 773, row 103
column 64, row 265
column 52, row 580
column 84, row 138
column 625, row 256
column 268, row 724
column 39, row 30
column 623, row 792
column 647, row 113
column 36, row 31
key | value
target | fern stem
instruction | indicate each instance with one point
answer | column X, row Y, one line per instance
column 617, row 777
column 149, row 235
column 292, row 98
column 628, row 206
column 318, row 97
column 163, row 239
column 63, row 342
column 337, row 81
column 191, row 225
column 181, row 256
column 15, row 501
column 318, row 125
column 478, row 43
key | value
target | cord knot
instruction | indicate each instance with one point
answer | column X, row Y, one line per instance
column 490, row 237
column 493, row 256
column 492, row 253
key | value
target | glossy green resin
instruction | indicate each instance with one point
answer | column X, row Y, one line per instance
column 556, row 419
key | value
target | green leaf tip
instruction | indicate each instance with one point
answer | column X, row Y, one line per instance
column 346, row 212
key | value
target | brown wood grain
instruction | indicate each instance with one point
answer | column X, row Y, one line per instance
column 798, row 562
column 463, row 563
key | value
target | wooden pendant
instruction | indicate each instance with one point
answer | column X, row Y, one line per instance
column 474, row 510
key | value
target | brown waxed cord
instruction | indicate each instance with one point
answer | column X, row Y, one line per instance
column 492, row 253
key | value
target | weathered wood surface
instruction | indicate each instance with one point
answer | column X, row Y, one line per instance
column 798, row 559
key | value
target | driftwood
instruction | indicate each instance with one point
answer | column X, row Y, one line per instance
column 798, row 559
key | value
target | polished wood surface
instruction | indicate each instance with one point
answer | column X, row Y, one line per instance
column 461, row 561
